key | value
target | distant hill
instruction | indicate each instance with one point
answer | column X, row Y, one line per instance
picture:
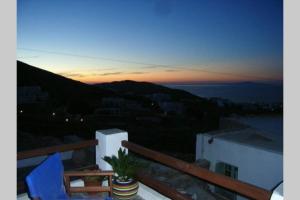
column 64, row 89
column 67, row 92
column 59, row 88
column 195, row 106
column 129, row 87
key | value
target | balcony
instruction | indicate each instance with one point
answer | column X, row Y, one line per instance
column 108, row 142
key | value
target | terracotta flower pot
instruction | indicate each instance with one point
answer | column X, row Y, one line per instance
column 125, row 190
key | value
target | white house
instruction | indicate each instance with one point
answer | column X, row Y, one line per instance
column 245, row 154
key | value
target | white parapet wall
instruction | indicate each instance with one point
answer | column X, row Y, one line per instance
column 109, row 142
column 256, row 166
column 148, row 193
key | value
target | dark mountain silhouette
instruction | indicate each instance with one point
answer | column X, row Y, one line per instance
column 195, row 106
column 60, row 89
column 129, row 87
column 65, row 91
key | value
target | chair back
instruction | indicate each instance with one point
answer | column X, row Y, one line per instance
column 46, row 181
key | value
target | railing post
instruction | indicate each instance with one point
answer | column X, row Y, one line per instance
column 109, row 142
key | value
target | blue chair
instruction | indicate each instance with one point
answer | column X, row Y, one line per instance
column 48, row 181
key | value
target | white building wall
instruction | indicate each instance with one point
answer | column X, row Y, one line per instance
column 255, row 166
column 109, row 142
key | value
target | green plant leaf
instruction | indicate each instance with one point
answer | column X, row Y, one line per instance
column 125, row 166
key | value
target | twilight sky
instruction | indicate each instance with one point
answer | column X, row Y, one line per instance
column 162, row 41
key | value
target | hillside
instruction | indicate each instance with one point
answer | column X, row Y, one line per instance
column 151, row 113
column 145, row 88
column 194, row 106
column 60, row 89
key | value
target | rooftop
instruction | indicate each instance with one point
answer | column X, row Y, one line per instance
column 110, row 131
column 249, row 136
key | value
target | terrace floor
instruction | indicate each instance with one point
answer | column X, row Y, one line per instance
column 100, row 196
column 193, row 187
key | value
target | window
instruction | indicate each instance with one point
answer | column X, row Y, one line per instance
column 230, row 171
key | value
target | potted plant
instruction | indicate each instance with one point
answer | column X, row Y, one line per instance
column 92, row 181
column 124, row 167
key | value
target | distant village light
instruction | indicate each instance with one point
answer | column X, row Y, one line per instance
column 67, row 119
column 81, row 119
column 53, row 114
column 21, row 111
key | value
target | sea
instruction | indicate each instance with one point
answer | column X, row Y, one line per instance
column 236, row 92
column 272, row 125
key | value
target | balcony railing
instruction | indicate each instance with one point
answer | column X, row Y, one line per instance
column 242, row 188
column 53, row 149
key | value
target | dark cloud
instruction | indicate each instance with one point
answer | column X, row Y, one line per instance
column 160, row 66
column 153, row 66
column 116, row 73
column 111, row 73
column 27, row 57
column 105, row 69
column 172, row 70
column 68, row 74
column 138, row 72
